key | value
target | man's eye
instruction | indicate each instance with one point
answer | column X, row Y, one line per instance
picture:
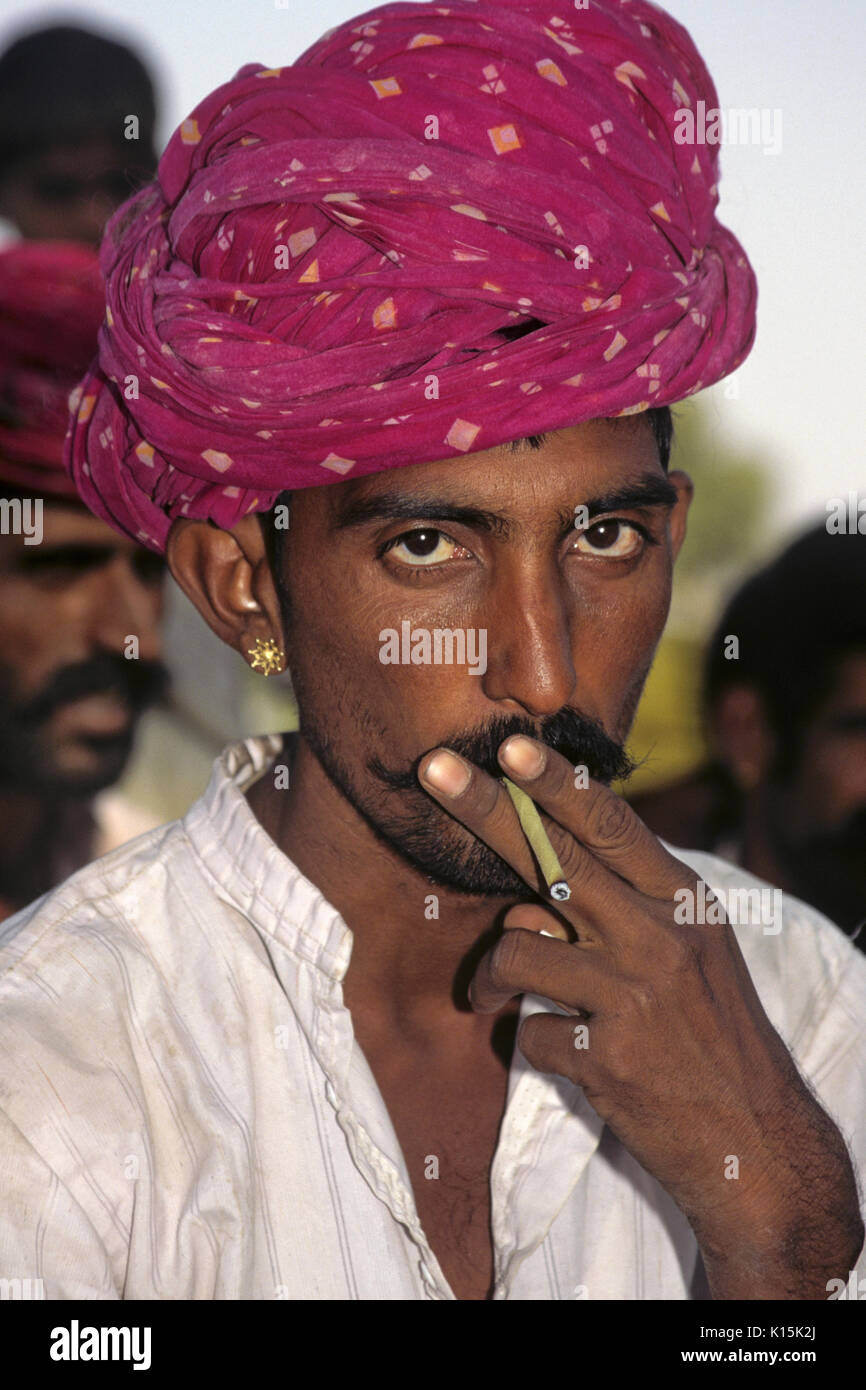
column 424, row 547
column 617, row 540
column 149, row 567
column 64, row 559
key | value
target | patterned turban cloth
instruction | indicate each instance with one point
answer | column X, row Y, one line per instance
column 330, row 273
column 52, row 302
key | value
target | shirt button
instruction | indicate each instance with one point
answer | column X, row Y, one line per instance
column 330, row 1094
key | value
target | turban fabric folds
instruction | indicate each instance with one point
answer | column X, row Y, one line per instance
column 51, row 305
column 320, row 283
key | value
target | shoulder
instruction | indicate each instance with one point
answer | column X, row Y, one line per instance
column 107, row 900
column 86, row 968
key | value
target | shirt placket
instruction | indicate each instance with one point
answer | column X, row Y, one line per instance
column 350, row 1089
column 548, row 1134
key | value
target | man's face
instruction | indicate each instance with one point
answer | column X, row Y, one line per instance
column 69, row 697
column 818, row 816
column 567, row 619
column 66, row 193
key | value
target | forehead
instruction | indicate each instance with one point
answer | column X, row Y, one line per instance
column 571, row 464
column 63, row 521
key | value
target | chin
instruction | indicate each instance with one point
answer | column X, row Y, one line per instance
column 88, row 770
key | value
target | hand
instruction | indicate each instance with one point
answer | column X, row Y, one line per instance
column 676, row 1053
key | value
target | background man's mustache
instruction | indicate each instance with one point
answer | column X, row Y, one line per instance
column 580, row 740
column 846, row 840
column 140, row 683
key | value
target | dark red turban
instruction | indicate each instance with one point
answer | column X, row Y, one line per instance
column 52, row 302
column 316, row 287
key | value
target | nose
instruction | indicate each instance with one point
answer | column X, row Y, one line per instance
column 530, row 659
column 127, row 607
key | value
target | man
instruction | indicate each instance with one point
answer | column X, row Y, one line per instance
column 77, row 115
column 79, row 605
column 785, row 695
column 328, row 1053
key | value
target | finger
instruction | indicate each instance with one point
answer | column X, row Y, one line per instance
column 534, row 917
column 482, row 804
column 603, row 822
column 522, row 962
column 558, row 1046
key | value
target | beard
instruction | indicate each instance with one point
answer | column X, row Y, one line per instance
column 423, row 833
column 25, row 749
column 827, row 868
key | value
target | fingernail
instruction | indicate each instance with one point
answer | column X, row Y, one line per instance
column 447, row 773
column 522, row 756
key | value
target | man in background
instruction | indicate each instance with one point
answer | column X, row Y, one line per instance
column 68, row 159
column 79, row 605
column 785, row 696
column 77, row 114
column 280, row 1065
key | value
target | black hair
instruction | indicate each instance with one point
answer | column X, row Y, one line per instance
column 659, row 419
column 62, row 85
column 795, row 621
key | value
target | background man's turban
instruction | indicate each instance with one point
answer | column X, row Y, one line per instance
column 317, row 284
column 52, row 302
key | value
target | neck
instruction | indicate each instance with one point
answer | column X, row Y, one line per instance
column 408, row 968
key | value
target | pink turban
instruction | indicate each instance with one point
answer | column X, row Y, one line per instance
column 51, row 304
column 315, row 287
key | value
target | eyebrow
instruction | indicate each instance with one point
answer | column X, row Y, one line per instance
column 96, row 552
column 402, row 506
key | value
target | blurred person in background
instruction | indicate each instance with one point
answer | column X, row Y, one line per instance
column 291, row 905
column 69, row 154
column 66, row 164
column 72, row 594
column 784, row 794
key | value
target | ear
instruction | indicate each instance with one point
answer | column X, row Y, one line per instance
column 743, row 736
column 679, row 514
column 227, row 576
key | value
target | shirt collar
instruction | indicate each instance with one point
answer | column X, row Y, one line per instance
column 251, row 873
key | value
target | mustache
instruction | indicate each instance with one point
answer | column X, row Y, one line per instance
column 140, row 683
column 579, row 739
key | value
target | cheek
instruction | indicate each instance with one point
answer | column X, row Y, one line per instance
column 617, row 639
column 833, row 777
column 626, row 618
column 41, row 630
column 30, row 623
column 333, row 649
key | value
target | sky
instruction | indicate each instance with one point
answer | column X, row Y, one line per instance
column 800, row 211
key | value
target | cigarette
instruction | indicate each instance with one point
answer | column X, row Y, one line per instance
column 545, row 854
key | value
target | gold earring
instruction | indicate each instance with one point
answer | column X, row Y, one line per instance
column 267, row 657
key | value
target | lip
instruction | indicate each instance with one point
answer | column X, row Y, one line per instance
column 98, row 716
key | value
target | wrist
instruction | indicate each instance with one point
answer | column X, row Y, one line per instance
column 786, row 1238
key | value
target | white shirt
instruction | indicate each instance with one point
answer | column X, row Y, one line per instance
column 184, row 1113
